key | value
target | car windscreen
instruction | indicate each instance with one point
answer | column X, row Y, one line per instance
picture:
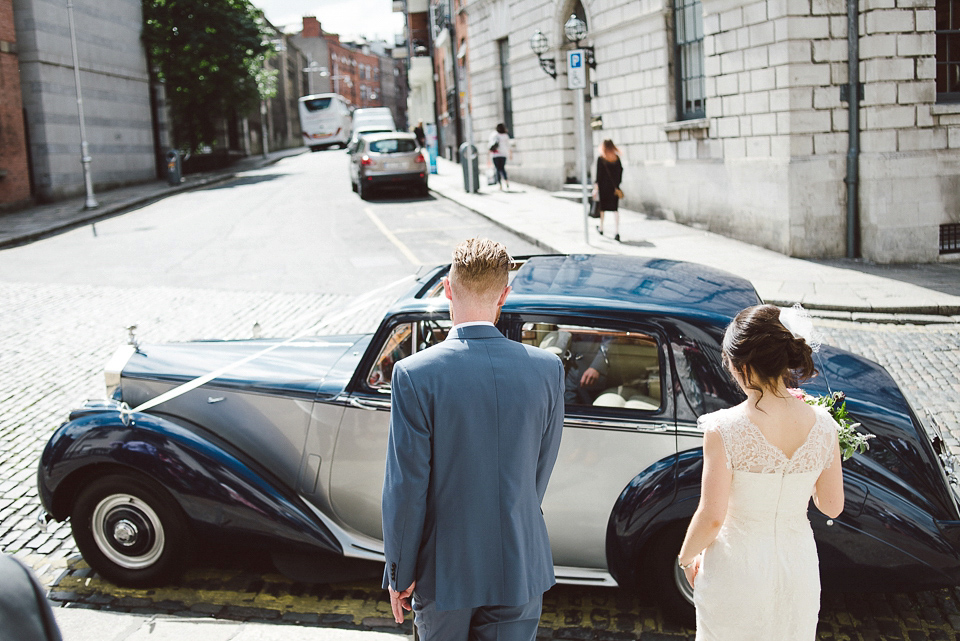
column 393, row 146
column 317, row 104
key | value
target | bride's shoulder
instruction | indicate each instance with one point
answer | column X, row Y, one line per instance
column 718, row 421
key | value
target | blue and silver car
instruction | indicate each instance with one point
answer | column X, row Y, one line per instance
column 286, row 450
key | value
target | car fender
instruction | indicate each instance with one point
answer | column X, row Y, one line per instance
column 213, row 485
column 665, row 493
column 881, row 538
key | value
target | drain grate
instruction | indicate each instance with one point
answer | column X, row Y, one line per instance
column 950, row 238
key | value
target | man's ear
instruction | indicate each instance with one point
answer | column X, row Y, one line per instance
column 447, row 289
column 503, row 296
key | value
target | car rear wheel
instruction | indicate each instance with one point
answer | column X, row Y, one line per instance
column 363, row 192
column 130, row 530
column 665, row 579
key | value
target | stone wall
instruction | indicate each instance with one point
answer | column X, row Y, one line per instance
column 115, row 87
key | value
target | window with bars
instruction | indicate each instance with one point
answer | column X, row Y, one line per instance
column 688, row 59
column 950, row 238
column 948, row 51
column 503, row 48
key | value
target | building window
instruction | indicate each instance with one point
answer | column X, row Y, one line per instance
column 503, row 47
column 948, row 51
column 688, row 58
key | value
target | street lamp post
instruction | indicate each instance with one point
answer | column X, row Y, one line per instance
column 575, row 30
column 91, row 201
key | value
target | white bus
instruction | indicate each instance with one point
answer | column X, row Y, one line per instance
column 325, row 120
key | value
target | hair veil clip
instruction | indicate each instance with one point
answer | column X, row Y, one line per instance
column 798, row 322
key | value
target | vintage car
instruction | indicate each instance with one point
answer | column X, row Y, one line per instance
column 287, row 450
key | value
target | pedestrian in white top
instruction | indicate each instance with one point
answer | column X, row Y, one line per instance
column 500, row 150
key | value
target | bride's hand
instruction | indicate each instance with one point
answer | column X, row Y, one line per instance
column 692, row 571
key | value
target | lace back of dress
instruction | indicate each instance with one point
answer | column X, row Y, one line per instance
column 748, row 451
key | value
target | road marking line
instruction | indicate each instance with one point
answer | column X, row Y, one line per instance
column 391, row 237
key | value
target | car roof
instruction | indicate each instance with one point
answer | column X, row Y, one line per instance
column 623, row 284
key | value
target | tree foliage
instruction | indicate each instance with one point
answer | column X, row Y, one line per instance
column 210, row 54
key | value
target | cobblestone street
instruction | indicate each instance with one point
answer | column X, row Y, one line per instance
column 54, row 340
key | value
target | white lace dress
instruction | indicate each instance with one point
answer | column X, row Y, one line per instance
column 759, row 580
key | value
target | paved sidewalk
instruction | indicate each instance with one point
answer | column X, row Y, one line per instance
column 77, row 624
column 851, row 290
column 30, row 224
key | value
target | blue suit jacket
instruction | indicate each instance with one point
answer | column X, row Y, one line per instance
column 475, row 427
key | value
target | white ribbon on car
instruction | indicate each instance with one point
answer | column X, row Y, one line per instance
column 354, row 307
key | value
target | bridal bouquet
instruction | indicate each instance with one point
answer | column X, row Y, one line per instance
column 851, row 441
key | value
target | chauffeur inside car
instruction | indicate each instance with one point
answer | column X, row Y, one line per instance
column 585, row 359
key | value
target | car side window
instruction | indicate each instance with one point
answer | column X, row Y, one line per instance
column 603, row 367
column 701, row 375
column 404, row 340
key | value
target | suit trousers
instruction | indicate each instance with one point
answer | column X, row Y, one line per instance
column 486, row 623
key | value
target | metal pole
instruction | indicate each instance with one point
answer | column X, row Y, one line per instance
column 853, row 148
column 91, row 201
column 581, row 136
column 264, row 133
column 465, row 105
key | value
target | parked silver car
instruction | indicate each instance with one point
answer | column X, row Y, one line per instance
column 387, row 159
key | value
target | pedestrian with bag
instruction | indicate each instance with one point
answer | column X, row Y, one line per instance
column 500, row 151
column 606, row 189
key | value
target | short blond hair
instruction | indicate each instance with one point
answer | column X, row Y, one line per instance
column 481, row 266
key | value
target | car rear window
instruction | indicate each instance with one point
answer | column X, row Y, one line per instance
column 393, row 146
column 317, row 104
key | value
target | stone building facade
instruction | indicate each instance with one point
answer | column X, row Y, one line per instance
column 116, row 94
column 14, row 171
column 729, row 114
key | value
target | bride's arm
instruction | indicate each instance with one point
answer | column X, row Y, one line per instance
column 714, row 494
column 828, row 492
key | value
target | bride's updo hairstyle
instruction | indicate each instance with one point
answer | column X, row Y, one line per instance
column 764, row 352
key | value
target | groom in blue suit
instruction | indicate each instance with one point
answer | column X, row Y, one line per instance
column 475, row 428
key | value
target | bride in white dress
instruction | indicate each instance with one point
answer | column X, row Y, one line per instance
column 749, row 552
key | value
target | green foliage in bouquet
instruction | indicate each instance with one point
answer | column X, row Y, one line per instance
column 851, row 441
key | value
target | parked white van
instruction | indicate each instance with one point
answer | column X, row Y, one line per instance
column 325, row 120
column 379, row 116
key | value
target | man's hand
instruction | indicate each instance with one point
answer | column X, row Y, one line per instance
column 400, row 601
column 589, row 377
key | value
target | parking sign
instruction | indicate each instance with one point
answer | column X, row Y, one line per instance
column 576, row 72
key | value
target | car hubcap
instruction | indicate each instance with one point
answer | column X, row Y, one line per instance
column 683, row 586
column 127, row 531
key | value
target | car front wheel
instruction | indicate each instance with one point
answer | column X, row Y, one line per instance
column 130, row 530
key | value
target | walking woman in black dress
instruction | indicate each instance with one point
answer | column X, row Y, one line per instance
column 607, row 188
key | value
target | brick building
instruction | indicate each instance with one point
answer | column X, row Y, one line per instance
column 730, row 116
column 421, row 105
column 352, row 69
column 14, row 171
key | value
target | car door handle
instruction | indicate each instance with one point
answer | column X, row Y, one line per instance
column 366, row 404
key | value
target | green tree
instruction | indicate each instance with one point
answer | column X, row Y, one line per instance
column 210, row 55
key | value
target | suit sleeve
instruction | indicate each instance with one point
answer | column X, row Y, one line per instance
column 550, row 441
column 600, row 359
column 405, row 482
